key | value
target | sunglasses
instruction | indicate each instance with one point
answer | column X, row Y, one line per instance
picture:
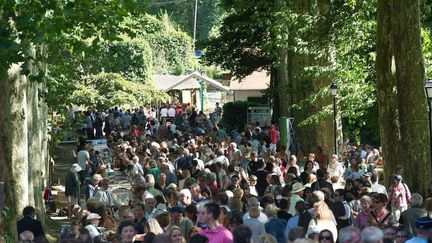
column 325, row 238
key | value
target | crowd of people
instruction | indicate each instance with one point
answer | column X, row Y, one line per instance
column 194, row 181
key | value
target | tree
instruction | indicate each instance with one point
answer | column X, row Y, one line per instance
column 412, row 108
column 36, row 36
column 106, row 90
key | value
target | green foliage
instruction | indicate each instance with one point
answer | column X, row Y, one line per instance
column 37, row 33
column 171, row 48
column 8, row 216
column 182, row 13
column 132, row 59
column 235, row 114
column 330, row 40
column 106, row 90
column 244, row 32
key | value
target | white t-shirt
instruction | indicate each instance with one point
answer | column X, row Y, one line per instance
column 92, row 230
column 171, row 112
column 164, row 112
column 262, row 217
column 222, row 159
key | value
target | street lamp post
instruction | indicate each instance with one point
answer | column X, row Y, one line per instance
column 428, row 92
column 333, row 89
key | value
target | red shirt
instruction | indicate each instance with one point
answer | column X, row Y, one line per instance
column 273, row 136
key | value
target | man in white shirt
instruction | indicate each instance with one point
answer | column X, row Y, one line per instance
column 171, row 112
column 335, row 169
column 164, row 112
column 83, row 157
column 375, row 186
column 253, row 202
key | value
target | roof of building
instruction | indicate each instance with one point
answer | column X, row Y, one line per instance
column 259, row 80
column 182, row 82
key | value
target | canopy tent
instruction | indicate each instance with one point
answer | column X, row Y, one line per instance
column 190, row 81
column 191, row 86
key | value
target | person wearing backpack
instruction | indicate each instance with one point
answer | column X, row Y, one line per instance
column 399, row 197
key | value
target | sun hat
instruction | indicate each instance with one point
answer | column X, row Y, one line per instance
column 297, row 187
column 147, row 195
column 93, row 216
column 76, row 168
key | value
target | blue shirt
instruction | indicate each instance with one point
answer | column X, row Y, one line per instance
column 416, row 240
column 275, row 227
column 292, row 223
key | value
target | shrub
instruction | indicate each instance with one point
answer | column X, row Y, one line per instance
column 235, row 114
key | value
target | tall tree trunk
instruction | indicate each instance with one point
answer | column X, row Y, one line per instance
column 36, row 149
column 413, row 115
column 325, row 128
column 282, row 58
column 14, row 147
column 386, row 90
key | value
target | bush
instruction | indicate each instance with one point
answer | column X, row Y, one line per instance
column 235, row 114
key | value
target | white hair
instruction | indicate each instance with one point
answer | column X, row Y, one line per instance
column 372, row 234
column 346, row 234
column 416, row 200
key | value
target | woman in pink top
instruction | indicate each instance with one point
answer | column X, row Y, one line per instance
column 362, row 217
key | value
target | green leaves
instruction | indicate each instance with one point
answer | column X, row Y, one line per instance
column 107, row 90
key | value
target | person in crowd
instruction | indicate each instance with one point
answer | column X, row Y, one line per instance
column 92, row 224
column 242, row 234
column 126, row 232
column 399, row 196
column 424, row 230
column 175, row 235
column 372, row 234
column 402, row 235
column 335, row 169
column 183, row 223
column 344, row 219
column 72, row 187
column 379, row 216
column 28, row 225
column 138, row 218
column 321, row 181
column 408, row 217
column 253, row 202
column 275, row 226
column 254, row 224
column 349, row 234
column 322, row 219
column 325, row 236
column 104, row 196
column 297, row 193
column 90, row 188
column 361, row 221
column 375, row 186
column 214, row 231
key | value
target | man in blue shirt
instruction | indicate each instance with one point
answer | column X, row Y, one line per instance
column 424, row 230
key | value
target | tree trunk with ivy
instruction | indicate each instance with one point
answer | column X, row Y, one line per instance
column 410, row 76
column 386, row 90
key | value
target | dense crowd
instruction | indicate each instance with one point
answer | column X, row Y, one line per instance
column 193, row 181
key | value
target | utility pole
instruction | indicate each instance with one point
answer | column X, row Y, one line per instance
column 195, row 22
